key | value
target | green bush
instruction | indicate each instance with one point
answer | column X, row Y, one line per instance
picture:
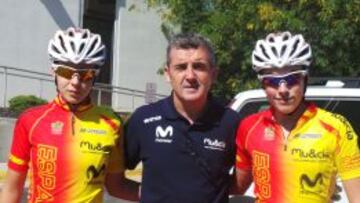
column 22, row 102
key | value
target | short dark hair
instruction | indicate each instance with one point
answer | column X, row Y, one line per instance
column 191, row 41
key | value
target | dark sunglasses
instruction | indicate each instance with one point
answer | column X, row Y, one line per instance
column 290, row 79
column 68, row 72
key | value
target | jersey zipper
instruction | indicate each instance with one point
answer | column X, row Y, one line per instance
column 72, row 115
column 285, row 144
column 72, row 124
column 285, row 138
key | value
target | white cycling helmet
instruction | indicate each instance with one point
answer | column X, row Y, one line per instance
column 76, row 45
column 280, row 50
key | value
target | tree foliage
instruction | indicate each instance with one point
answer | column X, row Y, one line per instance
column 332, row 27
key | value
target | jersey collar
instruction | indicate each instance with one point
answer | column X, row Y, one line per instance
column 310, row 112
column 59, row 101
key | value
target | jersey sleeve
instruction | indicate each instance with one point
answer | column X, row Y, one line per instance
column 348, row 156
column 132, row 143
column 117, row 161
column 20, row 147
column 243, row 158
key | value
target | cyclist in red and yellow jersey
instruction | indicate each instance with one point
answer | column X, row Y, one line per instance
column 294, row 150
column 71, row 148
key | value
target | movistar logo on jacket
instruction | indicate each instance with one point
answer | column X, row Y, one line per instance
column 164, row 134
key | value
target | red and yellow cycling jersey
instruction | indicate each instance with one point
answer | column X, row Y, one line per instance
column 68, row 152
column 303, row 167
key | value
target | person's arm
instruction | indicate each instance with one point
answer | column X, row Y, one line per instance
column 132, row 146
column 116, row 183
column 13, row 187
column 19, row 157
column 119, row 186
column 243, row 181
column 243, row 163
column 352, row 188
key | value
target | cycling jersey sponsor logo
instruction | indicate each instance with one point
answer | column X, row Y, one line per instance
column 214, row 144
column 57, row 127
column 311, row 185
column 93, row 131
column 152, row 119
column 92, row 173
column 310, row 155
column 349, row 131
column 309, row 136
column 94, row 148
column 269, row 134
column 164, row 135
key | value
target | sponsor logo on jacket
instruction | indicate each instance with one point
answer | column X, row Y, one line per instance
column 164, row 135
column 152, row 119
column 214, row 144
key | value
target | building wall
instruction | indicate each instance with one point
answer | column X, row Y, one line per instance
column 26, row 28
column 138, row 45
column 139, row 50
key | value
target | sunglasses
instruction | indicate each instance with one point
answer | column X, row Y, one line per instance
column 68, row 72
column 290, row 79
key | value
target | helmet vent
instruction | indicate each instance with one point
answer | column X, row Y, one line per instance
column 81, row 47
column 72, row 46
column 294, row 47
column 92, row 46
column 62, row 43
column 98, row 54
column 71, row 33
column 303, row 52
column 264, row 51
column 274, row 51
column 85, row 35
column 283, row 49
column 258, row 58
column 55, row 49
column 286, row 37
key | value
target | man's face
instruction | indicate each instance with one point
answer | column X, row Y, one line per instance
column 190, row 74
column 74, row 81
column 284, row 88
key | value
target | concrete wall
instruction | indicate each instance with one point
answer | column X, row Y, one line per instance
column 6, row 131
column 139, row 46
column 139, row 50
